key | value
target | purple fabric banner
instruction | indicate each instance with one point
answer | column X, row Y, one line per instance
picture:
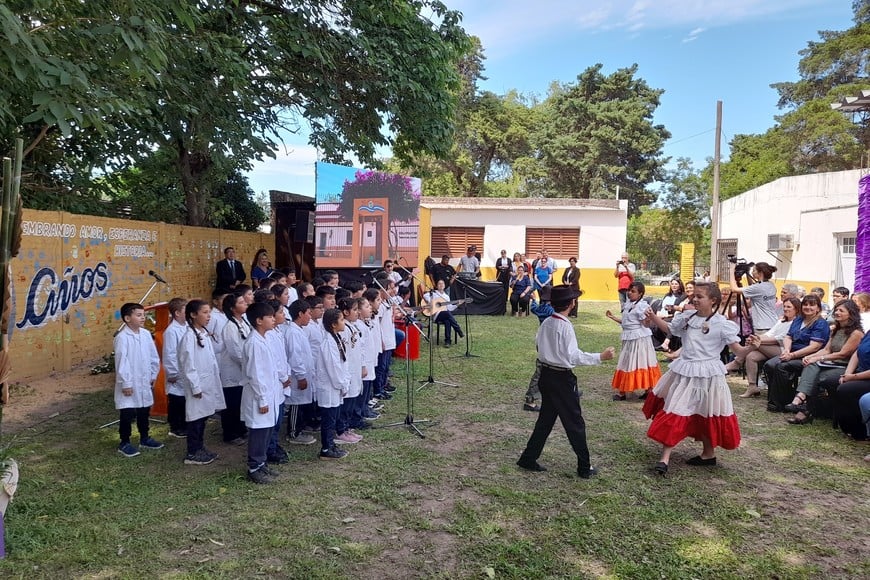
column 862, row 241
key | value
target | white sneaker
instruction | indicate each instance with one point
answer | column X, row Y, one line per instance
column 302, row 439
column 762, row 384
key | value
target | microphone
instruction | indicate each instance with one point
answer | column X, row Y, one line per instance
column 157, row 276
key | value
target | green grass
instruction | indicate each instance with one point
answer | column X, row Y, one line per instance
column 790, row 503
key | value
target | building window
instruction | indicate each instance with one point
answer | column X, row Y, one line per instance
column 349, row 238
column 847, row 245
column 454, row 241
column 726, row 248
column 559, row 242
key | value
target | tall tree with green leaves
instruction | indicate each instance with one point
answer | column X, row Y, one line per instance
column 598, row 135
column 809, row 136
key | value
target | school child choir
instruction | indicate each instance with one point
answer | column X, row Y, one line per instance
column 260, row 359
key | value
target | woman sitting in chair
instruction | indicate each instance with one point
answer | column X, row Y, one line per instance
column 521, row 293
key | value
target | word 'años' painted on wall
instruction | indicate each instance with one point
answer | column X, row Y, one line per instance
column 51, row 295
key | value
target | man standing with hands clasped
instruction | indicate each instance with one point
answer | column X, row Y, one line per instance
column 558, row 354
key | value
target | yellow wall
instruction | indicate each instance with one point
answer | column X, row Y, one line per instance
column 107, row 261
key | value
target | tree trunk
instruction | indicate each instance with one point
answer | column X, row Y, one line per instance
column 192, row 167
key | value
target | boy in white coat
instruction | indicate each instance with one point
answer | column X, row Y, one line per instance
column 136, row 368
column 260, row 391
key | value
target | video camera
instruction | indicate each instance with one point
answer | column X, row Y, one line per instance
column 742, row 267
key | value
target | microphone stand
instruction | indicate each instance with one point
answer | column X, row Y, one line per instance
column 465, row 289
column 409, row 421
column 430, row 380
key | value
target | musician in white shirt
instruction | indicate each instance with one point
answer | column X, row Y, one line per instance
column 438, row 302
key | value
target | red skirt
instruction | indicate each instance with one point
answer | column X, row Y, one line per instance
column 696, row 407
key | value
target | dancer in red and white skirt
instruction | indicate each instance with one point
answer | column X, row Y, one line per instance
column 692, row 399
column 637, row 368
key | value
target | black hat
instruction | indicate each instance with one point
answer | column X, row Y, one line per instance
column 563, row 294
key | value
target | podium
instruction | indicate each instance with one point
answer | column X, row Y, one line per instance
column 412, row 337
column 161, row 323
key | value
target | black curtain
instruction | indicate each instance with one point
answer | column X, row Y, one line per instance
column 492, row 301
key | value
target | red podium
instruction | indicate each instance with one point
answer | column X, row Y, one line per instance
column 413, row 340
column 161, row 323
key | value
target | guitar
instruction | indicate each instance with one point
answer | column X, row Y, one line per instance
column 432, row 308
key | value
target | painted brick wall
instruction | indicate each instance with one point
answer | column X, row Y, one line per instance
column 74, row 272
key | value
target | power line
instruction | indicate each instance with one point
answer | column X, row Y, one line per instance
column 691, row 136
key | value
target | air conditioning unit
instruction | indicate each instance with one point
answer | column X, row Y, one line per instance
column 780, row 242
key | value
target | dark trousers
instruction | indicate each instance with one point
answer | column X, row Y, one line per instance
column 195, row 435
column 559, row 398
column 258, row 443
column 276, row 433
column 780, row 379
column 351, row 413
column 175, row 413
column 328, row 418
column 382, row 371
column 125, row 422
column 297, row 419
column 520, row 303
column 231, row 421
column 449, row 322
column 846, row 408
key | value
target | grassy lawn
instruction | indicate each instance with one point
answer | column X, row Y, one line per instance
column 790, row 503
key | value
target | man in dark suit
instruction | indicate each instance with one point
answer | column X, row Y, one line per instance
column 230, row 272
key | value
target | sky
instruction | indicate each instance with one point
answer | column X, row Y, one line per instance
column 697, row 51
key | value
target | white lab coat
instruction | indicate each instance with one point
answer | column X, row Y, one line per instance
column 136, row 366
column 302, row 363
column 333, row 376
column 199, row 373
column 261, row 387
column 231, row 358
column 171, row 337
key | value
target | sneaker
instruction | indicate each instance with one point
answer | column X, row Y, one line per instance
column 201, row 457
column 355, row 434
column 346, row 438
column 586, row 473
column 378, row 407
column 302, row 439
column 530, row 465
column 362, row 426
column 128, row 449
column 150, row 443
column 531, row 407
column 373, row 401
column 390, row 389
column 178, row 434
column 384, row 396
column 334, row 453
column 762, row 384
column 259, row 476
column 210, row 453
column 373, row 416
column 278, row 458
column 269, row 471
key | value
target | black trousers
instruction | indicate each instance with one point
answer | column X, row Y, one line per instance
column 125, row 422
column 780, row 381
column 231, row 421
column 175, row 413
column 559, row 398
column 195, row 435
column 258, row 442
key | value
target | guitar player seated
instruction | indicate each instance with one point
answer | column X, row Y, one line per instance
column 437, row 302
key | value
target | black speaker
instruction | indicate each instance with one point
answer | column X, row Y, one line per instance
column 304, row 230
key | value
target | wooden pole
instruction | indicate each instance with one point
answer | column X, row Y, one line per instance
column 714, row 216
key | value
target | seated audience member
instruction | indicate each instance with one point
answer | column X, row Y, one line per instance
column 825, row 367
column 764, row 348
column 839, row 293
column 854, row 385
column 675, row 295
column 788, row 290
column 862, row 299
column 820, row 292
column 521, row 292
column 807, row 335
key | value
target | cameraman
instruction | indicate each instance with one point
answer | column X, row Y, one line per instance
column 762, row 294
column 624, row 274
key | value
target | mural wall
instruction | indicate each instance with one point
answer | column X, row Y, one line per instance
column 74, row 272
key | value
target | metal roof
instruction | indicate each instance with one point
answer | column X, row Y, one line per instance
column 853, row 104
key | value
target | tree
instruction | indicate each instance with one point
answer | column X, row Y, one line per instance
column 598, row 135
column 222, row 79
column 685, row 195
column 809, row 136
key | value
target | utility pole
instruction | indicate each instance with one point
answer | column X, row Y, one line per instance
column 714, row 215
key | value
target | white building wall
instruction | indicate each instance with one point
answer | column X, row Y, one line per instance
column 812, row 208
column 602, row 231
